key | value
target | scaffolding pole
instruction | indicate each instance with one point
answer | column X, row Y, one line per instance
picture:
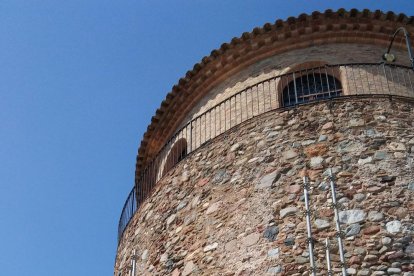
column 339, row 234
column 308, row 226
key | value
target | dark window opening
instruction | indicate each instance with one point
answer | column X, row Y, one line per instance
column 311, row 87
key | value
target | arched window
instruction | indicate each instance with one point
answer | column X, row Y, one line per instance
column 310, row 87
column 177, row 153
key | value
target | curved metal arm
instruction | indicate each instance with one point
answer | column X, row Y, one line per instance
column 407, row 41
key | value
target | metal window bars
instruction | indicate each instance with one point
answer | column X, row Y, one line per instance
column 353, row 80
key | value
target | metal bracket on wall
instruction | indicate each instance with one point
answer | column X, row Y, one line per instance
column 390, row 57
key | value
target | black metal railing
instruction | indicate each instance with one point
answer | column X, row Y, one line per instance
column 128, row 211
column 282, row 91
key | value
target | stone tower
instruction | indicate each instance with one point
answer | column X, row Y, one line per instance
column 220, row 172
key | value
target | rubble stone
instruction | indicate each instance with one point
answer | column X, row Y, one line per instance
column 251, row 239
column 393, row 226
column 288, row 211
column 189, row 268
column 210, row 247
column 352, row 216
column 271, row 232
column 322, row 224
column 375, row 216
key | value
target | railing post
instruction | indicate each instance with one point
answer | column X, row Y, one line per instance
column 191, row 136
column 132, row 200
column 386, row 78
column 294, row 87
column 327, row 82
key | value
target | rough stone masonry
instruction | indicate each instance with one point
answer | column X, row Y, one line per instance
column 234, row 207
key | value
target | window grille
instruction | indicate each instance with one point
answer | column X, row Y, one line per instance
column 311, row 87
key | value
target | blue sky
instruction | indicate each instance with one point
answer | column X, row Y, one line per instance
column 79, row 82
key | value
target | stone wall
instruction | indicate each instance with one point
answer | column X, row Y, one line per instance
column 233, row 207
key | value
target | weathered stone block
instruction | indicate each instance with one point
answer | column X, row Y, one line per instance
column 352, row 216
column 393, row 226
column 288, row 211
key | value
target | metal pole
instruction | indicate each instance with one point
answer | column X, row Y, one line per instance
column 337, row 223
column 133, row 263
column 328, row 257
column 296, row 91
column 308, row 226
column 386, row 78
